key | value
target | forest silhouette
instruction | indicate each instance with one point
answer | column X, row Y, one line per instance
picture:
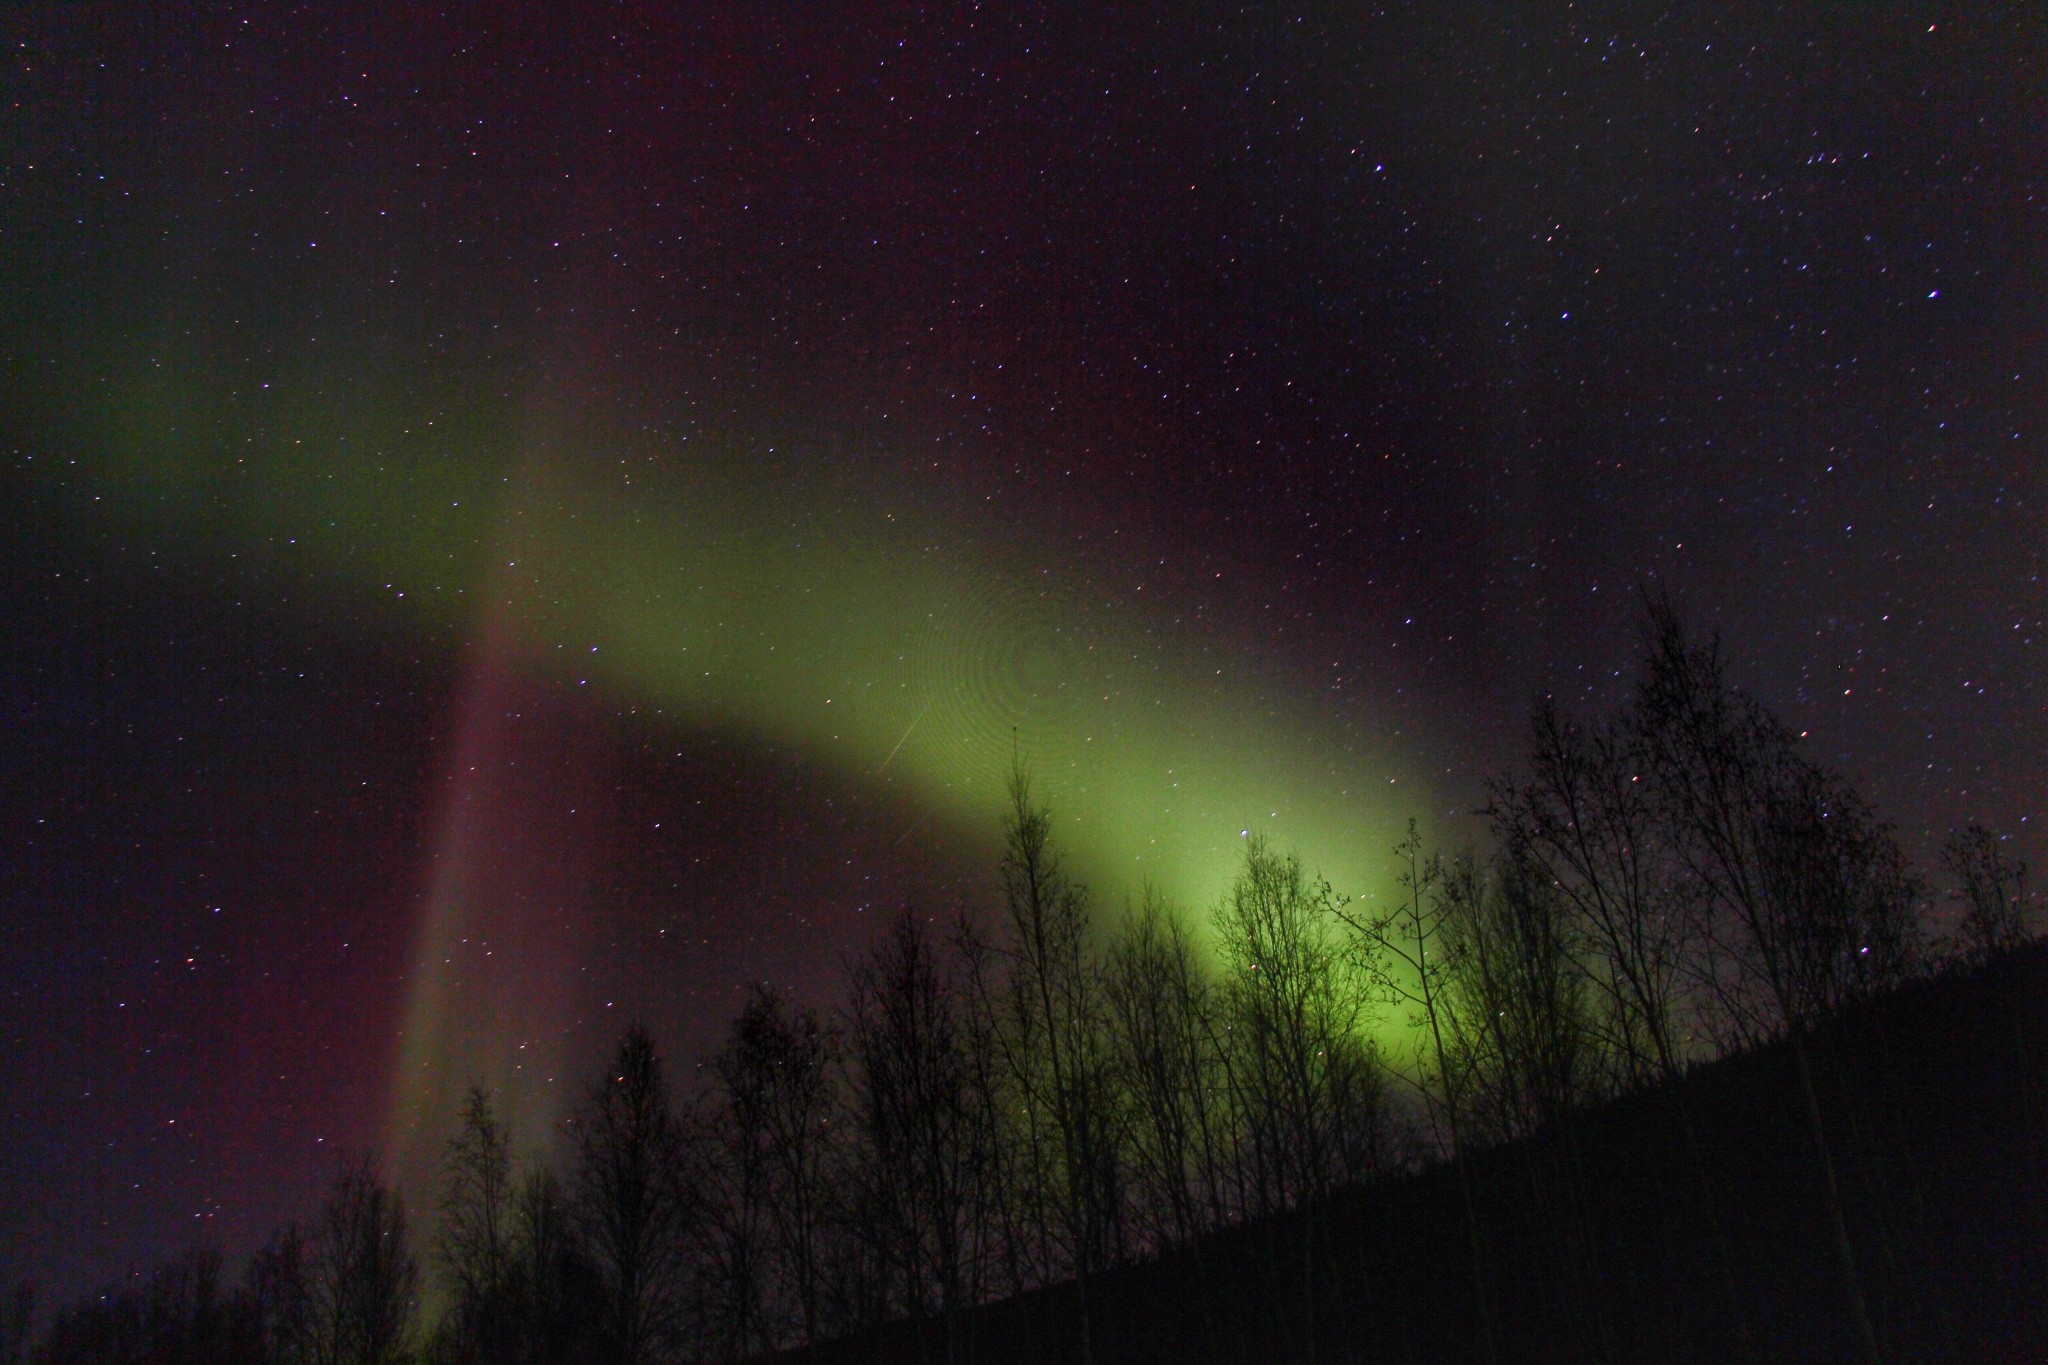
column 1694, row 1075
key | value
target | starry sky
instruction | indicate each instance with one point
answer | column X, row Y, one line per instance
column 519, row 518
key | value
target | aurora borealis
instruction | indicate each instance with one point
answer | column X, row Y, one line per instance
column 900, row 639
column 521, row 518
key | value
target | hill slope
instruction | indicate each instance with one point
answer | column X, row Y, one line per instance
column 1624, row 1240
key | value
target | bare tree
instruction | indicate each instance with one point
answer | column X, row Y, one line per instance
column 1993, row 887
column 1585, row 851
column 804, row 1119
column 278, row 1286
column 1015, row 1251
column 738, row 1197
column 556, row 1287
column 1804, row 890
column 1521, row 1008
column 633, row 1206
column 475, row 1247
column 1408, row 953
column 365, row 1283
column 1803, row 887
column 1584, row 825
column 1056, row 1046
column 1521, row 1016
column 180, row 1314
column 774, row 1114
column 924, row 1137
column 1290, row 1009
column 1294, row 1020
column 1163, row 1011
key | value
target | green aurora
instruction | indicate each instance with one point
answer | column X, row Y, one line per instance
column 797, row 590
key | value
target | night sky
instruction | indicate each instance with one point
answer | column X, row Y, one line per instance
column 522, row 518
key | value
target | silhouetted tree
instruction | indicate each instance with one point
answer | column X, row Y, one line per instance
column 634, row 1210
column 775, row 1113
column 737, row 1199
column 556, row 1290
column 1056, row 1045
column 1803, row 889
column 475, row 1244
column 1520, row 998
column 1163, row 1010
column 1408, row 953
column 1290, row 1009
column 365, row 1282
column 1993, row 888
column 1583, row 825
column 1294, row 1020
column 278, row 1286
column 1801, row 886
column 1010, row 1105
column 925, row 1141
column 1016, row 1241
column 805, row 1117
column 1521, row 1017
column 182, row 1315
column 1163, row 1013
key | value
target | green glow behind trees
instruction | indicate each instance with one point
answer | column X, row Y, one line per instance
column 802, row 593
